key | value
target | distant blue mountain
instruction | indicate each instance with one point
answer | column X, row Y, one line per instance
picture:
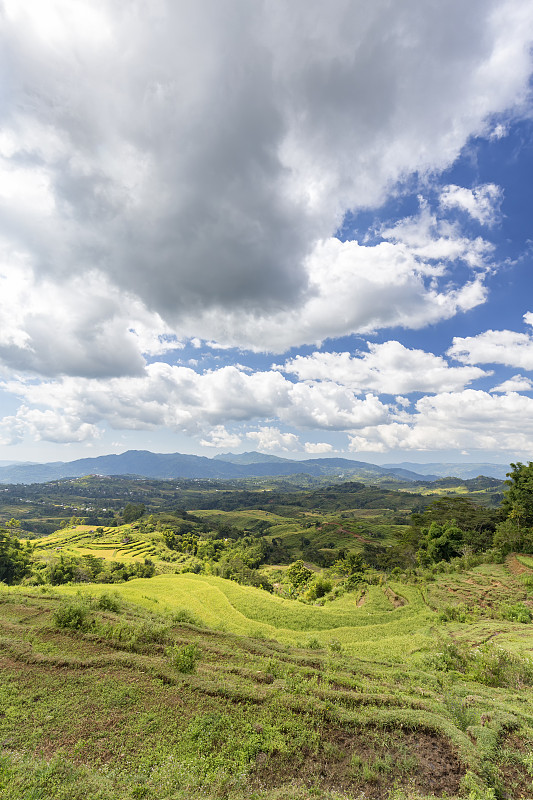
column 465, row 471
column 177, row 465
column 251, row 458
column 229, row 466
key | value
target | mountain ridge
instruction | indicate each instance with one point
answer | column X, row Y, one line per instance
column 465, row 470
column 144, row 463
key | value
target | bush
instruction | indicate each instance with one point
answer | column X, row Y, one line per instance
column 182, row 615
column 495, row 667
column 73, row 615
column 517, row 612
column 108, row 602
column 318, row 588
column 184, row 658
column 457, row 613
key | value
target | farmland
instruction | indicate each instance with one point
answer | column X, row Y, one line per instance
column 290, row 650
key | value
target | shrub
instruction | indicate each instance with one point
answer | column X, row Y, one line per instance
column 462, row 714
column 182, row 615
column 318, row 588
column 517, row 612
column 184, row 658
column 488, row 664
column 495, row 667
column 73, row 615
column 108, row 602
column 457, row 613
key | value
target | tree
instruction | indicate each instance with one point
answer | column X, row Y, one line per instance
column 440, row 543
column 476, row 521
column 133, row 511
column 298, row 573
column 518, row 501
column 15, row 558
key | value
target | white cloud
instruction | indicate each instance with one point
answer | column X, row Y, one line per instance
column 267, row 438
column 427, row 238
column 138, row 149
column 152, row 189
column 219, row 437
column 388, row 368
column 518, row 383
column 481, row 203
column 183, row 400
column 84, row 326
column 499, row 131
column 472, row 420
column 328, row 406
column 49, row 425
column 316, row 448
column 494, row 347
column 353, row 289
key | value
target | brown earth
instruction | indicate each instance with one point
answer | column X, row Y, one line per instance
column 369, row 761
column 515, row 567
column 355, row 535
column 396, row 600
column 512, row 772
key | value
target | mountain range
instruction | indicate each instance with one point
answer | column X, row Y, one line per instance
column 229, row 466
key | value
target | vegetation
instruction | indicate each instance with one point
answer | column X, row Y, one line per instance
column 329, row 642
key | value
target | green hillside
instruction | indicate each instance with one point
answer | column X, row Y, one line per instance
column 344, row 643
column 183, row 686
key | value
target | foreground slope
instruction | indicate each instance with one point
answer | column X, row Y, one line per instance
column 130, row 694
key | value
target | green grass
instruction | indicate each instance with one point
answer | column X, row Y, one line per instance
column 374, row 630
column 83, row 540
column 129, row 699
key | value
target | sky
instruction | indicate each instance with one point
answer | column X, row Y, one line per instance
column 294, row 227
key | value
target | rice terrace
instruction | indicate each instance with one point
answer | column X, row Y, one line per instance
column 261, row 640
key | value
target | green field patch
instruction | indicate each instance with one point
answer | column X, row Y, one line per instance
column 375, row 629
column 85, row 540
column 240, row 519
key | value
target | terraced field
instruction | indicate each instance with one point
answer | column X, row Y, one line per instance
column 119, row 544
column 370, row 625
column 370, row 696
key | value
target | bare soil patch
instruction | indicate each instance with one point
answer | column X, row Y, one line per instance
column 370, row 761
column 396, row 600
column 515, row 567
column 355, row 535
column 512, row 771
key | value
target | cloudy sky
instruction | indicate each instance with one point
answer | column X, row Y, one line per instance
column 289, row 226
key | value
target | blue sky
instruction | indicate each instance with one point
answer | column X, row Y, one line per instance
column 288, row 228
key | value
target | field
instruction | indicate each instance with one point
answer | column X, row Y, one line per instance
column 370, row 696
column 131, row 667
column 119, row 544
column 368, row 624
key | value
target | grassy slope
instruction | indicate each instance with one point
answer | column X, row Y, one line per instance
column 83, row 540
column 375, row 627
column 102, row 713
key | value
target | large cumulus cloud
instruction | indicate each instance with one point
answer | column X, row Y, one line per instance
column 174, row 170
column 200, row 155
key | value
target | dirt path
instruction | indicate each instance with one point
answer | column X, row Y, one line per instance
column 355, row 535
column 396, row 600
column 515, row 567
